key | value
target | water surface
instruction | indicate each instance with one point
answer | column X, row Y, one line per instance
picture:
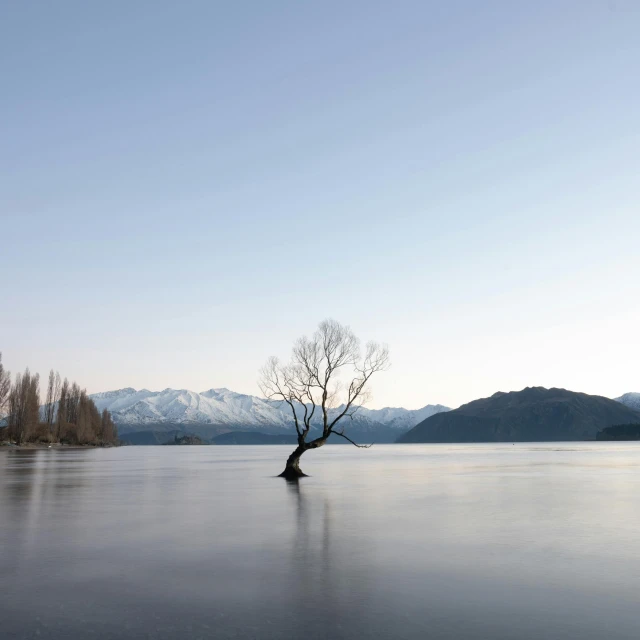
column 397, row 541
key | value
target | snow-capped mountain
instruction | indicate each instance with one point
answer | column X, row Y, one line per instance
column 631, row 400
column 225, row 408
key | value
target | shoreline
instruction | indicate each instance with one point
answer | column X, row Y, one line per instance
column 54, row 445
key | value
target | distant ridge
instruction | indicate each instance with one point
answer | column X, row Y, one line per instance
column 631, row 400
column 217, row 411
column 534, row 414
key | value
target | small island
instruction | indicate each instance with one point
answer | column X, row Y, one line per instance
column 185, row 439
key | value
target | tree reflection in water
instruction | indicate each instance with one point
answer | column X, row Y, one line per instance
column 329, row 575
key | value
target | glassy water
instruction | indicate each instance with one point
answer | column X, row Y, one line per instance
column 413, row 541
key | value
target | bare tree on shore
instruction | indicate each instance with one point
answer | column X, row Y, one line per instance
column 327, row 379
column 62, row 415
column 73, row 403
column 52, row 399
column 109, row 431
column 24, row 407
column 68, row 416
column 5, row 387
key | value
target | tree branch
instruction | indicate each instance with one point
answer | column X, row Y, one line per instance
column 355, row 444
column 314, row 379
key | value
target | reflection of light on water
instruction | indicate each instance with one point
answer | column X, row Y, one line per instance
column 31, row 474
column 36, row 483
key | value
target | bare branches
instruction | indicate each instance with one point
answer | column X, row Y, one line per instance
column 24, row 406
column 275, row 382
column 53, row 396
column 328, row 375
column 355, row 444
column 5, row 387
column 376, row 359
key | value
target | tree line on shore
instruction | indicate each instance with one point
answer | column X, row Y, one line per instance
column 68, row 415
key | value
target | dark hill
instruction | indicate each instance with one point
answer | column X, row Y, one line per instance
column 534, row 414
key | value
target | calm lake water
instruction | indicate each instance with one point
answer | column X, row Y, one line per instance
column 397, row 541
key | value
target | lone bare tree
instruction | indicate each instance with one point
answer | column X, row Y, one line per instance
column 325, row 382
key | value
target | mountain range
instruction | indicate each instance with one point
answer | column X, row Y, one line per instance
column 631, row 400
column 217, row 411
column 534, row 414
column 224, row 416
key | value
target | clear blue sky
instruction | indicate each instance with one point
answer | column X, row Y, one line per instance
column 186, row 187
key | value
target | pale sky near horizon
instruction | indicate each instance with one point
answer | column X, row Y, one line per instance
column 186, row 187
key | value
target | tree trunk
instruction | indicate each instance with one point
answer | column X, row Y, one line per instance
column 292, row 469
